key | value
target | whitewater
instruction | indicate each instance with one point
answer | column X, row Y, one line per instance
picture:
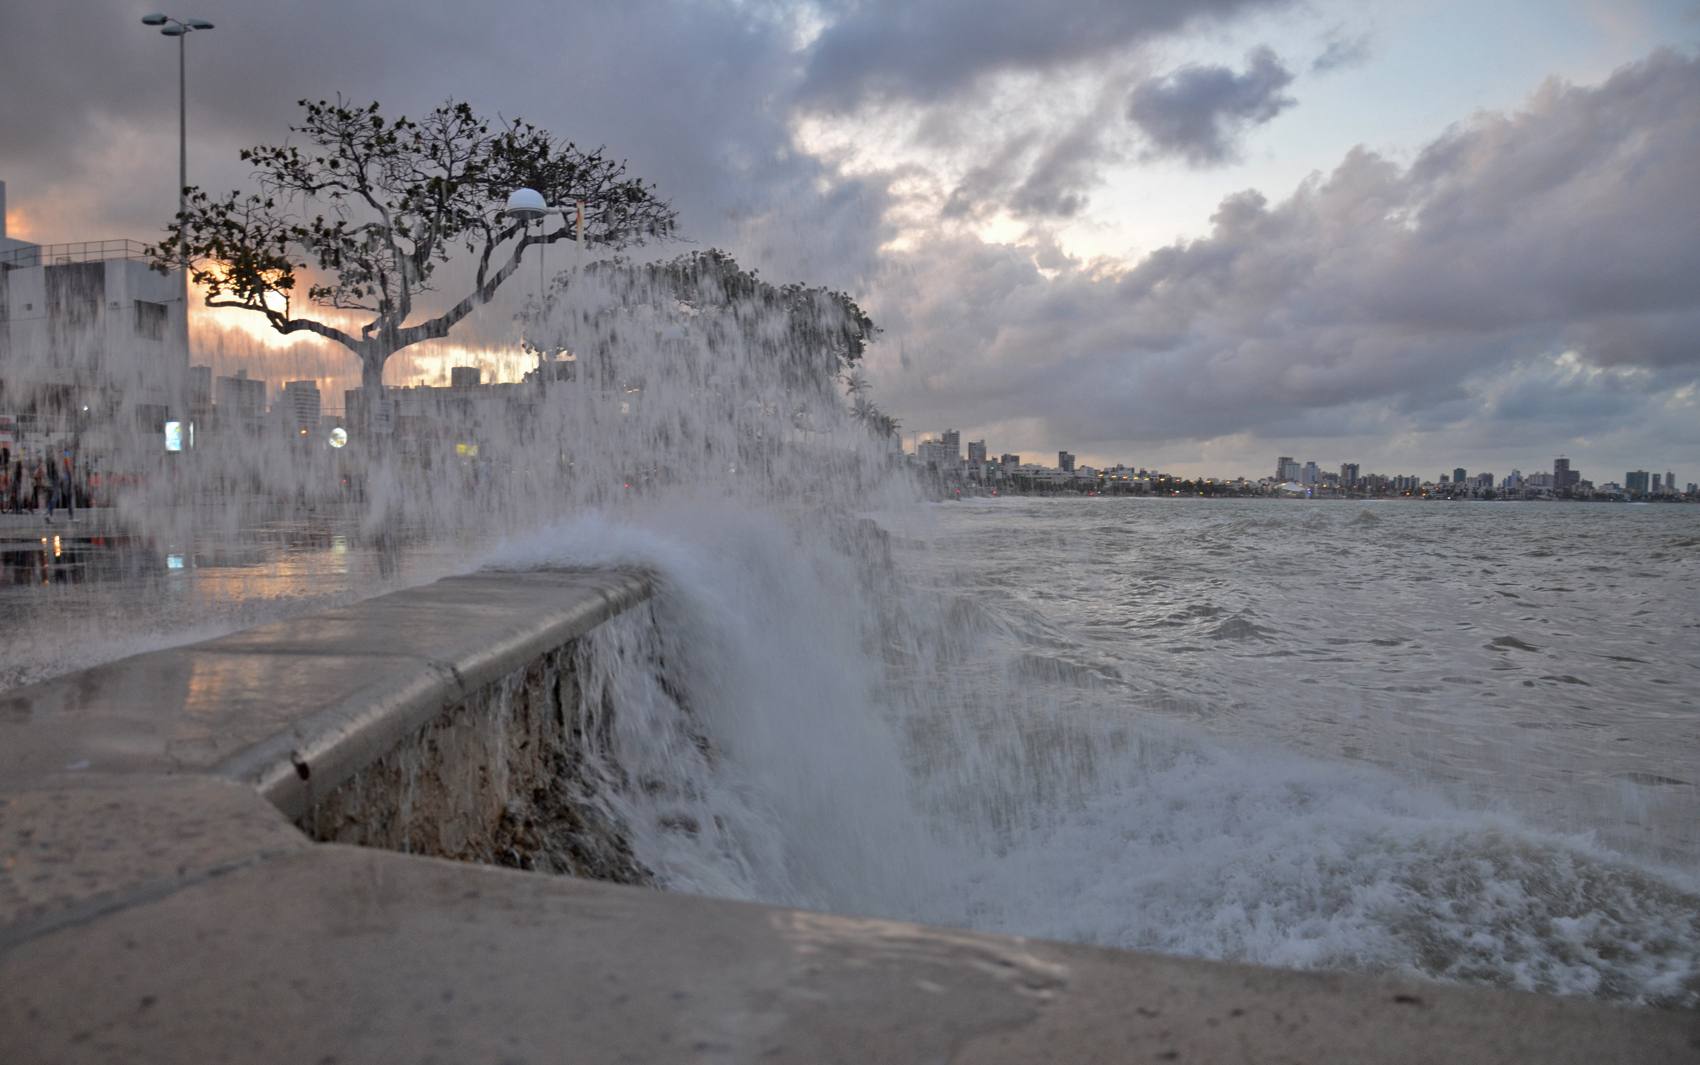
column 1077, row 722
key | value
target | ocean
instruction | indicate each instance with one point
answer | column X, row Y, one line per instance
column 1451, row 740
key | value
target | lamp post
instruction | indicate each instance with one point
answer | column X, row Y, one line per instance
column 180, row 29
column 528, row 206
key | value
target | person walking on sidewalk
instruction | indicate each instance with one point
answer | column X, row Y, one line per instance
column 38, row 484
column 64, row 489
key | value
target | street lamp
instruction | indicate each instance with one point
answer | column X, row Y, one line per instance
column 528, row 206
column 180, row 29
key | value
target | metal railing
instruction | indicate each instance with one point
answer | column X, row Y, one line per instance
column 88, row 251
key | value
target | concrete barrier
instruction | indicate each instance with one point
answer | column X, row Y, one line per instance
column 159, row 899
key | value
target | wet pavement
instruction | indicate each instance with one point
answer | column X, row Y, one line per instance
column 74, row 596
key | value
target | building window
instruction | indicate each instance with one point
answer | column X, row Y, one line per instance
column 151, row 319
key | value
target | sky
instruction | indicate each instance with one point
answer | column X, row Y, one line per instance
column 1183, row 234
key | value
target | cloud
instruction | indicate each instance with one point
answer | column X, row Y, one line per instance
column 927, row 50
column 1199, row 113
column 1537, row 268
column 1342, row 54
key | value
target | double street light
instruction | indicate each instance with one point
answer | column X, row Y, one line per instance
column 180, row 29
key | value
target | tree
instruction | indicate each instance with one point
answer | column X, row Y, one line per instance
column 399, row 198
column 808, row 336
column 863, row 409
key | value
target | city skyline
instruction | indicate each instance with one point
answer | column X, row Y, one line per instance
column 930, row 446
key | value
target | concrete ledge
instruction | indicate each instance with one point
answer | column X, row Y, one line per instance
column 154, row 905
column 320, row 752
column 329, row 692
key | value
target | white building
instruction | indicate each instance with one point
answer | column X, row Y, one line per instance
column 89, row 333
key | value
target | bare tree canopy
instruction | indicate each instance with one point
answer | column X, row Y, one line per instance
column 395, row 200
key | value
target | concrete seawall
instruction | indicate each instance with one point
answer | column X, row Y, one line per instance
column 234, row 851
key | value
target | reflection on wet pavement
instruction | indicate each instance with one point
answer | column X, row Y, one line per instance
column 71, row 598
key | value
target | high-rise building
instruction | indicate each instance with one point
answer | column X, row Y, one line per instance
column 1670, row 481
column 952, row 442
column 301, row 406
column 465, row 377
column 976, row 452
column 200, row 386
column 1636, row 481
column 1348, row 475
column 1458, row 475
column 1563, row 477
column 1065, row 461
column 935, row 453
column 1008, row 461
column 241, row 402
column 1310, row 473
column 1281, row 465
column 200, row 389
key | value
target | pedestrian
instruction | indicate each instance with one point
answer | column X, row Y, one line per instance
column 64, row 489
column 38, row 484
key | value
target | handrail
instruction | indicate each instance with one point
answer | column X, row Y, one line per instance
column 88, row 251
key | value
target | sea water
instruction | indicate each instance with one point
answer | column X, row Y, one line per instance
column 1450, row 740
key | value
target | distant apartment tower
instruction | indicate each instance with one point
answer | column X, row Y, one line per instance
column 1281, row 465
column 1065, row 461
column 1008, row 461
column 301, row 407
column 1563, row 476
column 465, row 377
column 241, row 402
column 1636, row 481
column 952, row 442
column 1348, row 475
column 976, row 452
column 1458, row 475
column 1311, row 473
column 200, row 388
column 940, row 453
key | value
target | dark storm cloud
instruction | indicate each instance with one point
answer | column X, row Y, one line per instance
column 692, row 94
column 930, row 49
column 1036, row 174
column 1199, row 112
column 1544, row 263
